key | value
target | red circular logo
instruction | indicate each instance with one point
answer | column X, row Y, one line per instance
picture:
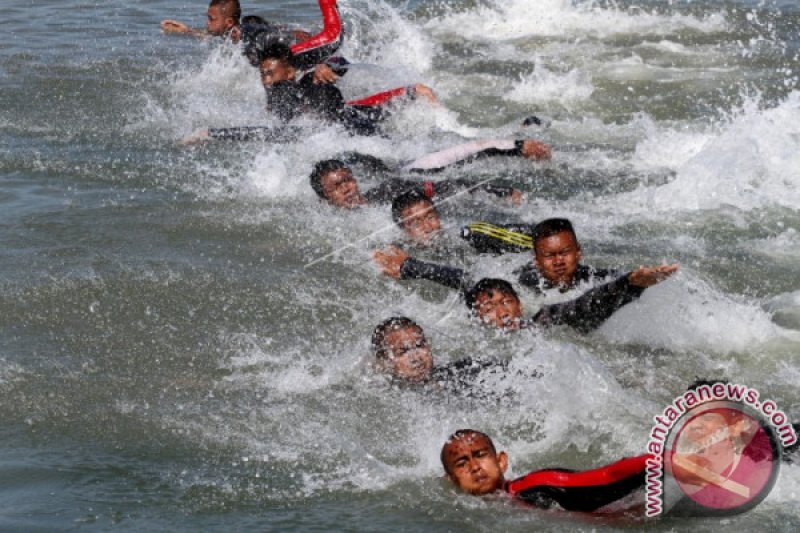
column 723, row 458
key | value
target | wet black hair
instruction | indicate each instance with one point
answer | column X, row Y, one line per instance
column 232, row 5
column 486, row 285
column 322, row 168
column 384, row 328
column 405, row 200
column 254, row 20
column 264, row 45
column 460, row 434
column 552, row 226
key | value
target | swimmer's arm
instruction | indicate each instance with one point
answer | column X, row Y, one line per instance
column 591, row 309
column 450, row 277
column 382, row 98
column 473, row 150
column 316, row 49
column 452, row 186
column 397, row 264
column 173, row 26
column 242, row 133
column 331, row 70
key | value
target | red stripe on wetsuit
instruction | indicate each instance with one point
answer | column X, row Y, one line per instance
column 380, row 98
column 331, row 29
column 622, row 469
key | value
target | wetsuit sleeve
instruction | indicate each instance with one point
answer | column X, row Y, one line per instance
column 451, row 277
column 382, row 98
column 325, row 43
column 254, row 133
column 368, row 162
column 451, row 186
column 464, row 153
column 388, row 190
column 581, row 491
column 591, row 309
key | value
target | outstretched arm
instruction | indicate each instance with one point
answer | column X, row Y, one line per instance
column 315, row 50
column 397, row 264
column 590, row 310
column 470, row 151
column 242, row 133
column 173, row 26
column 381, row 98
column 452, row 186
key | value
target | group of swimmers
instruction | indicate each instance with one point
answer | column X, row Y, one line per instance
column 298, row 72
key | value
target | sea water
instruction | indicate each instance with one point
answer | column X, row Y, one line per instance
column 184, row 332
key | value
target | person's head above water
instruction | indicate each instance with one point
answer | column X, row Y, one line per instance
column 494, row 301
column 556, row 251
column 416, row 215
column 472, row 463
column 276, row 63
column 333, row 181
column 401, row 349
column 223, row 16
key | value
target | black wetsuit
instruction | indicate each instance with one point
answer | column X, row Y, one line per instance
column 466, row 378
column 289, row 98
column 529, row 277
column 460, row 279
column 589, row 310
column 308, row 52
column 584, row 313
column 585, row 491
column 391, row 188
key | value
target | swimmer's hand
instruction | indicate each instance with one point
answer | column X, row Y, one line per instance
column 649, row 276
column 324, row 74
column 536, row 150
column 197, row 137
column 300, row 35
column 390, row 260
column 426, row 92
column 173, row 26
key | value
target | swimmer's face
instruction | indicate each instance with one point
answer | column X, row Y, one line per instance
column 218, row 22
column 500, row 309
column 421, row 222
column 473, row 465
column 341, row 189
column 706, row 441
column 557, row 257
column 408, row 354
column 275, row 70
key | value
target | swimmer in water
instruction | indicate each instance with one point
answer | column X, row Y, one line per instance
column 403, row 352
column 495, row 302
column 471, row 462
column 333, row 181
column 225, row 20
column 287, row 98
column 556, row 264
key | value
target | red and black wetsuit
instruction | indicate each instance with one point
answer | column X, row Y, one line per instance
column 585, row 491
column 317, row 49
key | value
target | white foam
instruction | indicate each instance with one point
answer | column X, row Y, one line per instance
column 752, row 161
column 545, row 85
column 513, row 19
column 687, row 313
